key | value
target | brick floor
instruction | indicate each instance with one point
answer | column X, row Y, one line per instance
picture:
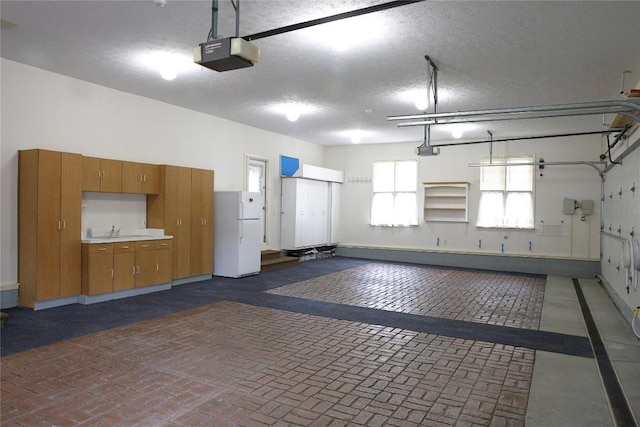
column 474, row 296
column 231, row 364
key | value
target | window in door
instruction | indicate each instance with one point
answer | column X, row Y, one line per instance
column 256, row 182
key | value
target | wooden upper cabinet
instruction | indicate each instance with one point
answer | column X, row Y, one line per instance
column 101, row 175
column 140, row 178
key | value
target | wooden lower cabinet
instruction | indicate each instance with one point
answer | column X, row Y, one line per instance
column 163, row 255
column 120, row 266
column 145, row 263
column 124, row 262
column 97, row 268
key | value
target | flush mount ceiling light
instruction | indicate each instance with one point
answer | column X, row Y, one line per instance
column 355, row 135
column 419, row 97
column 458, row 130
column 168, row 64
column 345, row 35
column 293, row 110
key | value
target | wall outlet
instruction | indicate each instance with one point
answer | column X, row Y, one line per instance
column 444, row 243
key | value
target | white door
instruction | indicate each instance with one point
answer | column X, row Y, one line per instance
column 249, row 247
column 257, row 182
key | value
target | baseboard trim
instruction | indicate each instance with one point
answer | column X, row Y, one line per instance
column 499, row 262
column 93, row 299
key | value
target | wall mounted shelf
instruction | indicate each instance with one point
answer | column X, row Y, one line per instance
column 446, row 201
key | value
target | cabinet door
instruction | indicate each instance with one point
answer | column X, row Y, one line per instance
column 163, row 255
column 318, row 202
column 145, row 263
column 178, row 217
column 132, row 177
column 103, row 175
column 151, row 179
column 98, row 269
column 201, row 222
column 70, row 217
column 111, row 176
column 49, row 225
column 124, row 268
column 91, row 174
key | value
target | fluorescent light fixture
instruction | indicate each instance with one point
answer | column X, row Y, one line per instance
column 168, row 64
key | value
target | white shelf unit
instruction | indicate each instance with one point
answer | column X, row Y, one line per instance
column 446, row 201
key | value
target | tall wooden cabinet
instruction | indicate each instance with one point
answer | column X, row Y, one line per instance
column 49, row 225
column 201, row 222
column 184, row 208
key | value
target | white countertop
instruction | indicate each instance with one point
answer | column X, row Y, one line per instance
column 127, row 236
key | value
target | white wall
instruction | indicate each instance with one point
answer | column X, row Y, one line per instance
column 41, row 109
column 622, row 211
column 579, row 239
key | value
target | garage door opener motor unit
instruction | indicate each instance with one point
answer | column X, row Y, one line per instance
column 226, row 54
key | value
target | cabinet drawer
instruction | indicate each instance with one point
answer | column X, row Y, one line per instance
column 123, row 248
column 163, row 244
column 104, row 248
column 144, row 245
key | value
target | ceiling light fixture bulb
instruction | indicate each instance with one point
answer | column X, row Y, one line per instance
column 422, row 104
column 292, row 116
column 168, row 73
column 160, row 3
column 457, row 133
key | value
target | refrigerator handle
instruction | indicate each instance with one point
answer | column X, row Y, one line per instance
column 241, row 219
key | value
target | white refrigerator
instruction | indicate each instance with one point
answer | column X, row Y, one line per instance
column 238, row 233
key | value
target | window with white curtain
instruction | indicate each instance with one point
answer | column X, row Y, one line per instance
column 394, row 201
column 506, row 193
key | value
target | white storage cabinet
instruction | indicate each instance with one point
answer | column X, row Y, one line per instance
column 305, row 214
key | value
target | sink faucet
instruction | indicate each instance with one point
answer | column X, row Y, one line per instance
column 113, row 231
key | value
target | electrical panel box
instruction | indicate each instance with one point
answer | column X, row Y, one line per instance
column 586, row 206
column 568, row 206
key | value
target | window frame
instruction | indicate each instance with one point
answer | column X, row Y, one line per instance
column 413, row 220
column 507, row 222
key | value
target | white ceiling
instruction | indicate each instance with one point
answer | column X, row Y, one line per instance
column 489, row 55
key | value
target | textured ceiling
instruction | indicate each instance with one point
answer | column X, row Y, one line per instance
column 489, row 55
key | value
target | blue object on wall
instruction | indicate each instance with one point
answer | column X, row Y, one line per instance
column 288, row 165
